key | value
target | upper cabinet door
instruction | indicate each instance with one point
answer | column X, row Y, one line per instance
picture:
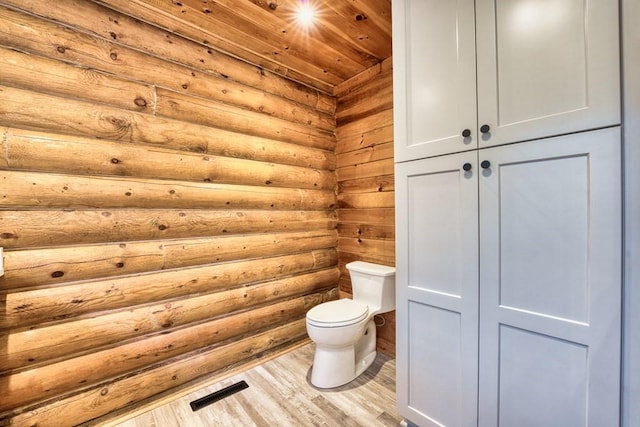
column 434, row 77
column 546, row 67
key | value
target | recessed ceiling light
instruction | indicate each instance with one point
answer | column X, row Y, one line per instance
column 306, row 13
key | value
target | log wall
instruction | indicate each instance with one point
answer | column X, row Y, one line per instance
column 167, row 212
column 364, row 155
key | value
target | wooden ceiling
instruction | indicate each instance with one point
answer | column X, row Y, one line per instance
column 348, row 36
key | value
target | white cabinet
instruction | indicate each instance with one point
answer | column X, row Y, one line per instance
column 508, row 284
column 517, row 69
column 508, row 212
column 437, row 289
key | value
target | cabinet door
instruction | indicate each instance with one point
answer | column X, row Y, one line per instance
column 550, row 282
column 546, row 68
column 437, row 290
column 434, row 77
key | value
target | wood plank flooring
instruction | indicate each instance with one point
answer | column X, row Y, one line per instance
column 280, row 394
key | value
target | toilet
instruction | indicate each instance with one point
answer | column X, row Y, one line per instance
column 344, row 331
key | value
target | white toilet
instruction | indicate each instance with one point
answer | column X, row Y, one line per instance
column 344, row 331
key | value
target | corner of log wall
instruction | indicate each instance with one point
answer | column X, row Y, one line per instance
column 166, row 215
column 364, row 157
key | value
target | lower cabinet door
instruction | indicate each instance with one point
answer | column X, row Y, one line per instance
column 437, row 290
column 509, row 284
column 550, row 282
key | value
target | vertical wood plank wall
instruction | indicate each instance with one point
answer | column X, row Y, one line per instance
column 166, row 211
column 364, row 154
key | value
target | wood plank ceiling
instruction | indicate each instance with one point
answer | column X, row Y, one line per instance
column 347, row 37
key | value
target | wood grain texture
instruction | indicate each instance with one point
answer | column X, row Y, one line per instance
column 26, row 307
column 280, row 394
column 168, row 201
column 118, row 393
column 202, row 70
column 47, row 228
column 167, row 211
column 58, row 378
column 37, row 346
column 39, row 151
column 44, row 266
column 366, row 197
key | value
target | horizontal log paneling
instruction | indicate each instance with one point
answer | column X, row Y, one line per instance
column 367, row 231
column 37, row 267
column 105, row 54
column 354, row 129
column 84, row 371
column 203, row 111
column 28, row 307
column 375, row 97
column 199, row 27
column 27, row 268
column 26, row 109
column 40, row 151
column 371, row 153
column 26, row 71
column 368, row 185
column 22, row 229
column 119, row 392
column 355, row 82
column 366, row 200
column 384, row 249
column 365, row 168
column 364, row 139
column 112, row 25
column 166, row 211
column 367, row 216
column 35, row 189
column 37, row 345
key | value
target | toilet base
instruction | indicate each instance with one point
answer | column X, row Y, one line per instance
column 333, row 367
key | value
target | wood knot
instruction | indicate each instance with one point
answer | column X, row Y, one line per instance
column 115, row 161
column 113, row 56
column 273, row 5
column 162, row 227
column 360, row 17
column 104, row 391
column 61, row 49
column 113, row 35
column 120, row 264
column 57, row 274
column 140, row 102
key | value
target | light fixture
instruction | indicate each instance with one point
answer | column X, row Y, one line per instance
column 306, row 13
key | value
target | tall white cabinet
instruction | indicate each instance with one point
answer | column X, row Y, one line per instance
column 508, row 212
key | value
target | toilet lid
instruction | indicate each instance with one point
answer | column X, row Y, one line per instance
column 341, row 312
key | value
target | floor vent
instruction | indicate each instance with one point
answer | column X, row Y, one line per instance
column 218, row 395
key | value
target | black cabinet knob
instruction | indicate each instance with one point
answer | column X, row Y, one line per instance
column 486, row 164
column 466, row 166
column 466, row 133
column 485, row 128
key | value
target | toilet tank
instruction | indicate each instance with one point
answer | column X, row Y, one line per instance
column 374, row 285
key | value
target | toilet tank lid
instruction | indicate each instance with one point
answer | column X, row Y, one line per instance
column 371, row 268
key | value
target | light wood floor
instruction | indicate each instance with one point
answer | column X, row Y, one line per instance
column 280, row 394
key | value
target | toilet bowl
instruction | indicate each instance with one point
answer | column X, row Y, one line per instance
column 344, row 331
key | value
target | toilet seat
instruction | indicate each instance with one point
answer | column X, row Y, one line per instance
column 334, row 314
